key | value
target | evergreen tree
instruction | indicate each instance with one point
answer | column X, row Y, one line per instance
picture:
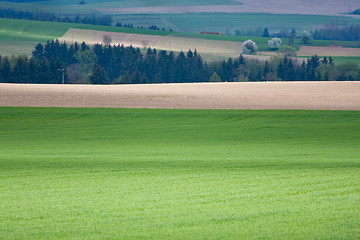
column 98, row 76
column 5, row 73
column 241, row 60
column 180, row 67
column 302, row 72
column 20, row 70
column 291, row 73
column 266, row 33
column 215, row 78
column 38, row 52
column 266, row 70
column 280, row 70
column 33, row 71
column 291, row 37
column 83, row 46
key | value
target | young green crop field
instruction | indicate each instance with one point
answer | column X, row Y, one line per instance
column 229, row 22
column 179, row 174
column 73, row 7
column 340, row 60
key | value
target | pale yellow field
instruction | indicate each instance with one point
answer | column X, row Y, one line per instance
column 262, row 95
column 208, row 47
column 335, row 51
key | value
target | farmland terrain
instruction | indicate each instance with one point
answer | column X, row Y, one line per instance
column 180, row 174
column 20, row 37
column 327, row 8
column 281, row 95
column 312, row 7
column 218, row 160
column 175, row 43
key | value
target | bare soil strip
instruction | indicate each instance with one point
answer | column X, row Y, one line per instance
column 93, row 37
column 311, row 7
column 265, row 95
column 335, row 51
column 211, row 47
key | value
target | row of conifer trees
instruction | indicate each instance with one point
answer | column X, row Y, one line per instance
column 56, row 62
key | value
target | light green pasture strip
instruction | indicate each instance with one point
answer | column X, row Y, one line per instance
column 339, row 60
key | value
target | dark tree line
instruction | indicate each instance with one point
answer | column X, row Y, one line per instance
column 56, row 62
column 339, row 33
column 129, row 65
column 287, row 69
column 105, row 20
column 356, row 12
column 265, row 32
column 130, row 25
column 331, row 31
column 47, row 65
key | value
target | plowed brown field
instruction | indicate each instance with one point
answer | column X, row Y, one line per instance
column 265, row 95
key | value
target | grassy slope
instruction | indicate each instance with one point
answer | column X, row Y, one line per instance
column 38, row 31
column 20, row 36
column 12, row 30
column 35, row 31
column 179, row 174
column 340, row 60
column 72, row 7
column 229, row 22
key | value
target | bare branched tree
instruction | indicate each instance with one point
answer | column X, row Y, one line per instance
column 107, row 40
column 145, row 43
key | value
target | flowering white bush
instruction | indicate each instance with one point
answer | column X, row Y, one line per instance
column 306, row 37
column 275, row 43
column 249, row 47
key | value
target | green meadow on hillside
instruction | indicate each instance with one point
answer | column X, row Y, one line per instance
column 20, row 36
column 340, row 60
column 40, row 31
column 73, row 7
column 347, row 59
column 179, row 174
column 229, row 22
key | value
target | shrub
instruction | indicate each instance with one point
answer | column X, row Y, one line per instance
column 215, row 78
column 275, row 43
column 288, row 51
column 249, row 47
column 306, row 37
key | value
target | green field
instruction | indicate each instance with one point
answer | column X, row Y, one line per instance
column 340, row 60
column 13, row 30
column 20, row 36
column 179, row 174
column 70, row 7
column 228, row 23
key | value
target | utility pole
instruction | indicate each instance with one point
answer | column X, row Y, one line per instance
column 63, row 75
